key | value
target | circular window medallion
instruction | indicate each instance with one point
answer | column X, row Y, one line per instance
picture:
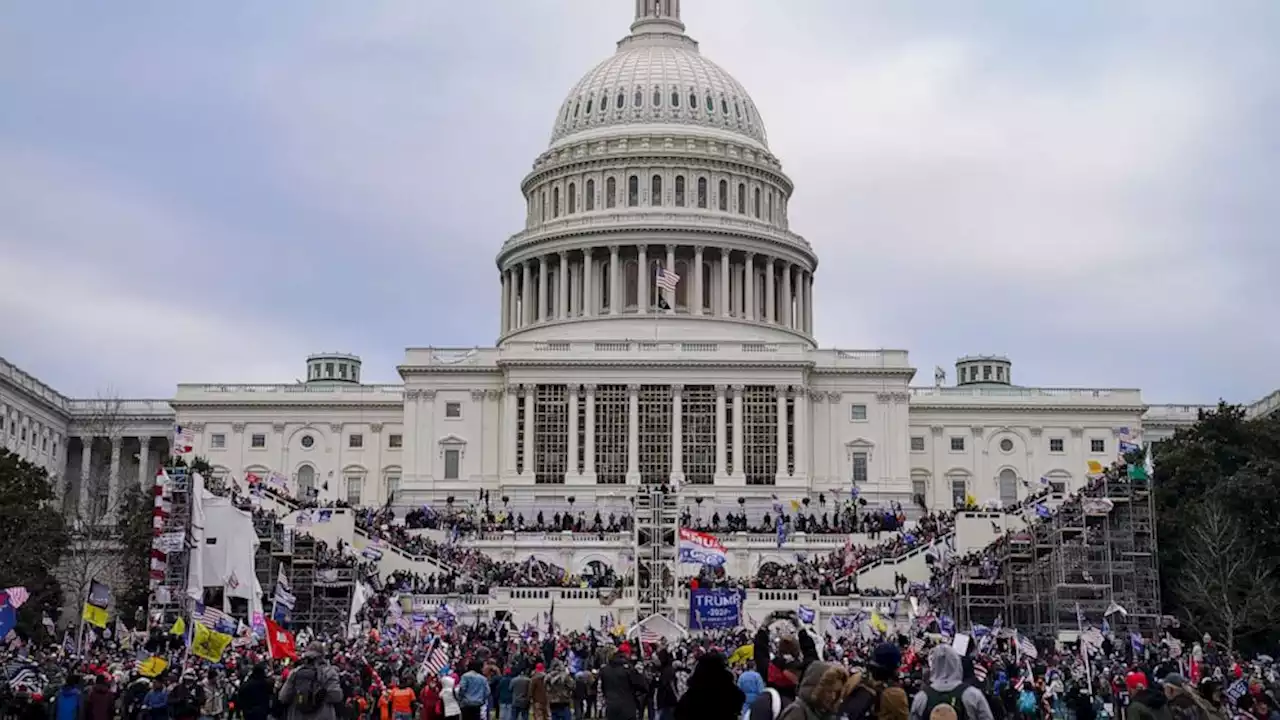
column 308, row 441
column 1006, row 445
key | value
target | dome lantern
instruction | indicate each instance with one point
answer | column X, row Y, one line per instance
column 984, row 370
column 333, row 367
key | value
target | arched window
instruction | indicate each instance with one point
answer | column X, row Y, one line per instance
column 769, row 204
column 706, row 285
column 639, row 99
column 702, row 192
column 711, row 105
column 621, row 100
column 675, row 98
column 575, row 107
column 693, row 100
column 573, row 198
column 555, row 202
column 742, row 198
column 632, row 288
column 757, row 202
column 605, row 289
column 737, row 114
column 604, row 100
column 652, row 279
column 1008, row 488
column 542, row 204
column 590, row 200
column 723, row 201
column 724, row 107
column 610, row 192
column 655, row 191
column 306, row 482
column 589, row 105
column 679, row 191
column 633, row 191
column 657, row 97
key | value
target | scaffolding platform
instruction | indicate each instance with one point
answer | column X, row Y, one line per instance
column 322, row 596
column 657, row 529
column 169, row 599
column 1096, row 552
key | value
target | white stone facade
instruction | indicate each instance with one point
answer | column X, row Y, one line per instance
column 604, row 375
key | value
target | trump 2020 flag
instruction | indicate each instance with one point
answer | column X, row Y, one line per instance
column 700, row 547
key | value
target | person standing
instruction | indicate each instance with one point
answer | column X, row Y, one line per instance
column 473, row 691
column 521, row 691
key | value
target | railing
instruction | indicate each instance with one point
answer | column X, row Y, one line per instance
column 914, row 551
column 29, row 384
column 1265, row 406
column 305, row 388
column 1125, row 396
column 122, row 408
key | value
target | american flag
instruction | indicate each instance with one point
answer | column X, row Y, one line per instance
column 17, row 596
column 438, row 660
column 668, row 279
column 1027, row 648
column 214, row 618
column 24, row 676
column 182, row 440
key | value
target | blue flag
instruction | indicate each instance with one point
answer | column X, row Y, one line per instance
column 8, row 617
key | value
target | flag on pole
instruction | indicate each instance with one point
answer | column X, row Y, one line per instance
column 668, row 279
column 183, row 439
column 280, row 642
column 17, row 596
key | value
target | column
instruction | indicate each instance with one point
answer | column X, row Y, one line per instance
column 526, row 293
column 86, row 462
column 562, row 287
column 833, row 438
column 770, row 302
column 509, row 413
column 427, row 438
column 737, row 431
column 614, row 295
column 633, row 434
column 144, row 462
column 642, row 279
column 113, row 479
column 802, row 449
column 588, row 300
column 697, row 280
column 589, row 454
column 721, row 427
column 782, row 430
column 677, row 435
column 801, row 311
column 671, row 265
column 808, row 302
column 544, row 273
column 506, row 309
column 749, row 287
column 787, row 316
column 573, row 430
column 725, row 307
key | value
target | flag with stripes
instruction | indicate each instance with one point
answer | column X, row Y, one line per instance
column 214, row 618
column 17, row 596
column 183, row 439
column 1026, row 648
column 23, row 676
column 438, row 660
column 668, row 279
column 980, row 672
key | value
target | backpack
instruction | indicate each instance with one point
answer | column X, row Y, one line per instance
column 308, row 691
column 862, row 704
column 775, row 704
column 1027, row 702
column 953, row 697
column 560, row 689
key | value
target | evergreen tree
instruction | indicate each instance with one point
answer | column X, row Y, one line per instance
column 34, row 537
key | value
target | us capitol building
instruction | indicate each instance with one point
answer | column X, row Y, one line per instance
column 656, row 326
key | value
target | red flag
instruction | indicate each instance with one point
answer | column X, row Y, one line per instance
column 280, row 642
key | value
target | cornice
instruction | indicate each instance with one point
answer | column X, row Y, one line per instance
column 1027, row 407
column 247, row 404
column 693, row 160
column 632, row 363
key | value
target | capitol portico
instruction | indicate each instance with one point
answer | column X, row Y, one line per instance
column 656, row 326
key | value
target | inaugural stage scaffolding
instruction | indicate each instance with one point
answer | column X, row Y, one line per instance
column 1094, row 555
column 322, row 596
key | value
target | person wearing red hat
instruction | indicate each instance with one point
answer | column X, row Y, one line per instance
column 1145, row 703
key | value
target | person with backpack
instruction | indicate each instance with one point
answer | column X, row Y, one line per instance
column 876, row 694
column 559, row 691
column 820, row 693
column 947, row 687
column 473, row 691
column 313, row 689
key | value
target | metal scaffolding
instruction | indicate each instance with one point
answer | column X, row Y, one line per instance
column 657, row 544
column 169, row 599
column 1095, row 553
column 322, row 597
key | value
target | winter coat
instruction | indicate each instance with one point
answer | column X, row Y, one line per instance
column 751, row 685
column 619, row 684
column 100, row 703
column 520, row 691
column 449, row 698
column 66, row 706
column 945, row 675
column 819, row 694
column 1148, row 704
column 317, row 671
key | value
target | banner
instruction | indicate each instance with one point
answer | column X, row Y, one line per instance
column 700, row 547
column 713, row 609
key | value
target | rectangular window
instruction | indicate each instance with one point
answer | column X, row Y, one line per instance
column 393, row 486
column 24, row 434
column 959, row 491
column 957, row 444
column 1056, row 445
column 920, row 490
column 355, row 487
column 1057, row 486
column 857, row 412
column 452, row 458
column 395, row 441
column 355, row 441
column 917, row 444
column 44, row 444
column 453, row 410
column 1097, row 446
column 859, row 468
column 258, row 441
column 217, row 441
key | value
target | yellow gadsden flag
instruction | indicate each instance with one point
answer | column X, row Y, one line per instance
column 152, row 666
column 179, row 627
column 94, row 615
column 208, row 644
column 1095, row 467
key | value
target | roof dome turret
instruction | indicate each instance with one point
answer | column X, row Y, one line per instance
column 658, row 77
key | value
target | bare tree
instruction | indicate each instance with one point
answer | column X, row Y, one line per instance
column 1226, row 587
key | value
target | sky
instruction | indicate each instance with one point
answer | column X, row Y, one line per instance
column 208, row 192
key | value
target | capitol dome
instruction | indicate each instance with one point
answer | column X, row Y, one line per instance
column 658, row 210
column 658, row 77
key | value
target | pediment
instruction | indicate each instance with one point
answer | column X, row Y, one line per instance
column 860, row 443
column 451, row 439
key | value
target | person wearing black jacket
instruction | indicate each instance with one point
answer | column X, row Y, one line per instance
column 665, row 691
column 620, row 684
column 255, row 695
column 781, row 671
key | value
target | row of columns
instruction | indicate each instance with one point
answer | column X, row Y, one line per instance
column 728, row 398
column 30, row 438
column 578, row 292
column 144, row 476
